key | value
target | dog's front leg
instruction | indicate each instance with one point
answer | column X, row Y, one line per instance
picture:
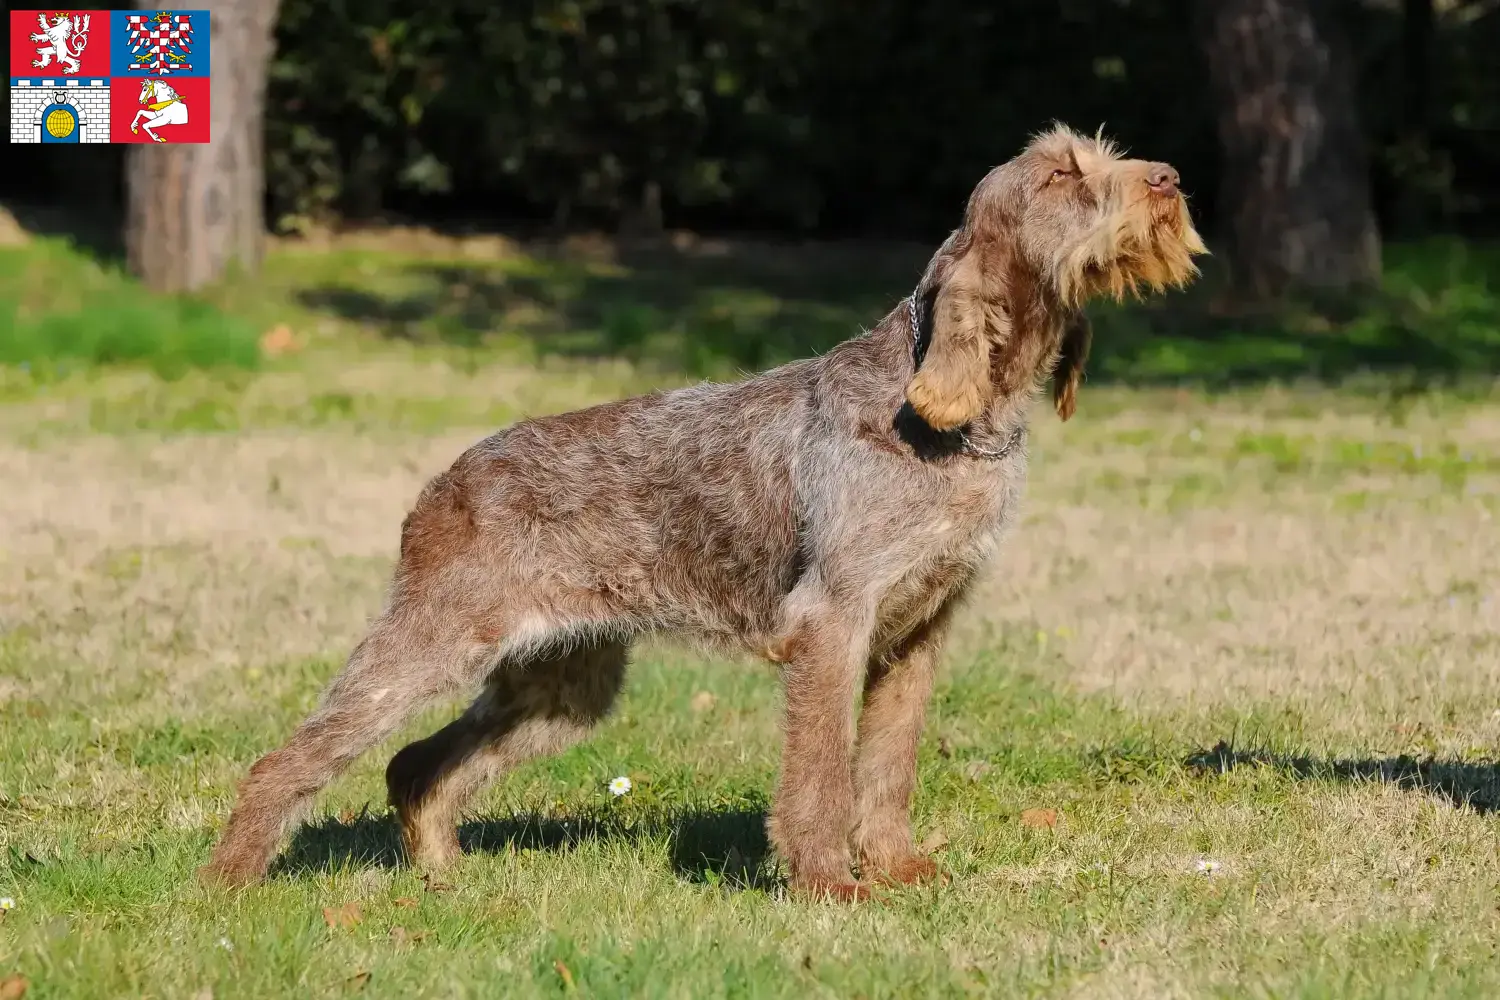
column 897, row 689
column 823, row 656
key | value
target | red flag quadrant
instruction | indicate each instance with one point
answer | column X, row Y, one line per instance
column 161, row 110
column 59, row 44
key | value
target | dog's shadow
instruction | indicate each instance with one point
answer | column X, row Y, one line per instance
column 1468, row 785
column 726, row 848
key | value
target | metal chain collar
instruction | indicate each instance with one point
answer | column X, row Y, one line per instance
column 994, row 454
column 916, row 325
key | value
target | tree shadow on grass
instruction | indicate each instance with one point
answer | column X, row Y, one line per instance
column 99, row 235
column 1467, row 785
column 725, row 848
column 754, row 306
column 74, row 193
column 693, row 313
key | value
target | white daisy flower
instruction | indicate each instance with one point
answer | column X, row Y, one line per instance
column 1207, row 866
column 619, row 786
column 224, row 943
column 7, row 903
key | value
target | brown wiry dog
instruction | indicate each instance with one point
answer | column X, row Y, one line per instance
column 828, row 515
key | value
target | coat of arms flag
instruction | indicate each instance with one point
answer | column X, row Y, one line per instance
column 81, row 76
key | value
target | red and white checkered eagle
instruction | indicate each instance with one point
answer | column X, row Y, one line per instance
column 160, row 43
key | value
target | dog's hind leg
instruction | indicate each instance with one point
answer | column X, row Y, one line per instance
column 397, row 669
column 897, row 689
column 526, row 710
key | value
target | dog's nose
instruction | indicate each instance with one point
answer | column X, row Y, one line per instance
column 1162, row 178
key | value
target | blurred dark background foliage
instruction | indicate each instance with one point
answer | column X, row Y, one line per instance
column 794, row 117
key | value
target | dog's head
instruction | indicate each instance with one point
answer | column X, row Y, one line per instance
column 1090, row 221
column 1067, row 220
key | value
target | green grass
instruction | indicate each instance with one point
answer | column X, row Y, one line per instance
column 1254, row 624
column 669, row 891
column 64, row 309
column 717, row 311
column 1435, row 319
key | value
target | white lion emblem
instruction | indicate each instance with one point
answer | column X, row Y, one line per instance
column 60, row 33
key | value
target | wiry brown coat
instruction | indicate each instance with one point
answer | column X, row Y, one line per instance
column 828, row 515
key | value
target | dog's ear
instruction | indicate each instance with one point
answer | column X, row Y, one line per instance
column 1077, row 337
column 952, row 386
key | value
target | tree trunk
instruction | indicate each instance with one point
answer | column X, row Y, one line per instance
column 1295, row 191
column 195, row 211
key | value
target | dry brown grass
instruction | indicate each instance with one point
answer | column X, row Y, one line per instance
column 1255, row 584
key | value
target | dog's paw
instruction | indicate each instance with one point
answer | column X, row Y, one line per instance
column 820, row 889
column 910, row 871
column 219, row 876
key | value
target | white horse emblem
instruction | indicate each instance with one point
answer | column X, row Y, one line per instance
column 163, row 107
column 64, row 38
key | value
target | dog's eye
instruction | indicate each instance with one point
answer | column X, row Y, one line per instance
column 1059, row 174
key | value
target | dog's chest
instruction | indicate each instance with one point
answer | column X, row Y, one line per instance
column 946, row 547
column 976, row 511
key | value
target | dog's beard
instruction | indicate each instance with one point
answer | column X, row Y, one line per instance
column 1146, row 246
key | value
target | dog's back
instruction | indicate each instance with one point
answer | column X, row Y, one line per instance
column 673, row 511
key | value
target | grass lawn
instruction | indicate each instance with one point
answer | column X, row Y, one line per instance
column 1224, row 722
